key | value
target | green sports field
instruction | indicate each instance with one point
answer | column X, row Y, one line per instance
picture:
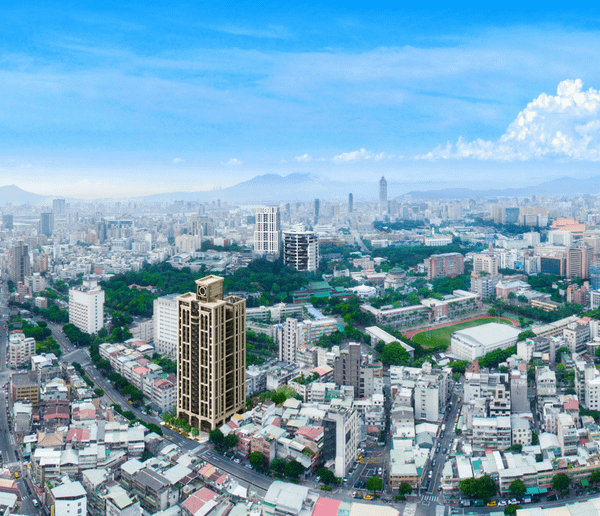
column 440, row 337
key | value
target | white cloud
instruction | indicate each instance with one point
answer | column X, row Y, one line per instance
column 384, row 155
column 305, row 158
column 348, row 157
column 178, row 160
column 233, row 162
column 565, row 125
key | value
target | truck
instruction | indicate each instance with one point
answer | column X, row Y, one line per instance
column 443, row 430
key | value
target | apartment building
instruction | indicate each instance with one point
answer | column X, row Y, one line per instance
column 211, row 359
column 86, row 307
column 165, row 327
column 448, row 265
column 267, row 233
column 20, row 349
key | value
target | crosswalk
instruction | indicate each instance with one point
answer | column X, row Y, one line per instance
column 410, row 509
column 430, row 498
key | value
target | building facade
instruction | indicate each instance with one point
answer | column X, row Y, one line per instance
column 448, row 265
column 19, row 265
column 165, row 325
column 211, row 361
column 267, row 233
column 301, row 249
column 86, row 307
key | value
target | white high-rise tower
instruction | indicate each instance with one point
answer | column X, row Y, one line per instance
column 267, row 233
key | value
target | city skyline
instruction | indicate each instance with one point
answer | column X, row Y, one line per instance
column 94, row 102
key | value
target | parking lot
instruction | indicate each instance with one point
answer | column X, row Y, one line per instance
column 372, row 464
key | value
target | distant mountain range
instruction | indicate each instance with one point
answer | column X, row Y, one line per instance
column 560, row 186
column 15, row 195
column 273, row 188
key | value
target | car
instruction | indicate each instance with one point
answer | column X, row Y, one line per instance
column 456, row 420
column 502, row 503
column 513, row 501
column 433, row 462
column 552, row 498
column 454, row 510
column 379, row 471
column 367, row 497
column 345, row 480
column 492, row 503
column 357, row 495
column 35, row 503
column 249, row 466
column 443, row 450
column 236, row 460
column 430, row 473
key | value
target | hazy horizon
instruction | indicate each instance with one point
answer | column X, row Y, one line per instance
column 139, row 100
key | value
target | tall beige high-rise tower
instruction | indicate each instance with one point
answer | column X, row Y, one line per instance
column 211, row 357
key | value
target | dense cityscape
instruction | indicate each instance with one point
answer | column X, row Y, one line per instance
column 404, row 356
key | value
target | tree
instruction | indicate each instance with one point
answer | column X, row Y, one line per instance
column 293, row 469
column 560, row 482
column 326, row 476
column 559, row 353
column 527, row 334
column 395, row 354
column 517, row 488
column 216, row 437
column 195, row 432
column 595, row 478
column 511, row 509
column 374, row 484
column 258, row 461
column 230, row 441
column 278, row 465
column 99, row 392
column 534, row 438
column 486, row 487
column 404, row 489
column 515, row 448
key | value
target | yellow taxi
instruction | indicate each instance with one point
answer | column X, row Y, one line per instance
column 367, row 497
column 493, row 503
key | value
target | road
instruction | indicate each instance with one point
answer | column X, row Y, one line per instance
column 359, row 241
column 11, row 458
column 432, row 497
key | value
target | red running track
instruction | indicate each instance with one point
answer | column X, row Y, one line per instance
column 412, row 333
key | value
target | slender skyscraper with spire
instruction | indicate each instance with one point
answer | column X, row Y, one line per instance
column 382, row 195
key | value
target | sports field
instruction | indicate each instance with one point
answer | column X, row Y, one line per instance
column 440, row 337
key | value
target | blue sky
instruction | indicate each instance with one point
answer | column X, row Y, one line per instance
column 151, row 97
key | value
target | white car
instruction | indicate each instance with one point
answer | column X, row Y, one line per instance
column 502, row 503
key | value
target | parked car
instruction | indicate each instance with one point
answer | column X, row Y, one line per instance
column 552, row 498
column 502, row 503
column 513, row 501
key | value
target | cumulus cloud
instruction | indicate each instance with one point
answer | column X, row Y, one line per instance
column 359, row 155
column 348, row 157
column 178, row 160
column 233, row 162
column 305, row 158
column 565, row 125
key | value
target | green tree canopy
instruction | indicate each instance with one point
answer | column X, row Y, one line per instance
column 374, row 484
column 230, row 441
column 293, row 469
column 404, row 489
column 326, row 476
column 527, row 334
column 258, row 461
column 216, row 437
column 394, row 354
column 595, row 477
column 278, row 465
column 517, row 488
column 561, row 482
